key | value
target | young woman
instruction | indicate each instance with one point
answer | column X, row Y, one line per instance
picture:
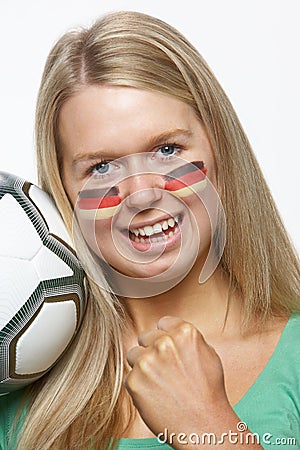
column 127, row 113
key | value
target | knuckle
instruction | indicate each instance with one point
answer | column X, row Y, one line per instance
column 163, row 344
column 131, row 383
column 143, row 364
column 187, row 330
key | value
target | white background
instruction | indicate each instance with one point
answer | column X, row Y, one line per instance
column 253, row 47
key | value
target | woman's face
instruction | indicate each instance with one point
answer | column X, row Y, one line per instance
column 126, row 137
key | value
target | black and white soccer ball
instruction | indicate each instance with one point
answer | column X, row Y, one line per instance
column 42, row 295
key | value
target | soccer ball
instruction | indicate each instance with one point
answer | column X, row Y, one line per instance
column 42, row 296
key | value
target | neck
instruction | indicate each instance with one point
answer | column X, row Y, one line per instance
column 205, row 305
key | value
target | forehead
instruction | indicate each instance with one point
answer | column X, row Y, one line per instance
column 115, row 117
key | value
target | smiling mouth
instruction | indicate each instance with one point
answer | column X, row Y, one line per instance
column 158, row 232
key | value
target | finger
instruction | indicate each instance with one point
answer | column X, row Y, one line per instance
column 133, row 354
column 180, row 329
column 148, row 337
column 168, row 323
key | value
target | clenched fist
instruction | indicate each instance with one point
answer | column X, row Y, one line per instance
column 177, row 381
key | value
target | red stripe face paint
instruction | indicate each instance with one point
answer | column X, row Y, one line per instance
column 95, row 204
column 187, row 179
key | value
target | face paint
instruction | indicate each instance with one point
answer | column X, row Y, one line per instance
column 187, row 179
column 95, row 204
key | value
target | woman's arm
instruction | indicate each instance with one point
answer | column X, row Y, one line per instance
column 177, row 385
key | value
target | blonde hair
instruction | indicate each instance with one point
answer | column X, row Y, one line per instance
column 82, row 398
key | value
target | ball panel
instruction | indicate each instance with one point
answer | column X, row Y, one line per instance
column 49, row 266
column 50, row 213
column 18, row 236
column 46, row 338
column 18, row 280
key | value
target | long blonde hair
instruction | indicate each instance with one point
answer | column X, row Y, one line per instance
column 80, row 403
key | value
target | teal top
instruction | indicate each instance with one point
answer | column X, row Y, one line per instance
column 270, row 408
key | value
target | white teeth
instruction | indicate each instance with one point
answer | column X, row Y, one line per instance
column 148, row 230
column 153, row 239
column 157, row 228
column 171, row 222
column 141, row 231
column 165, row 225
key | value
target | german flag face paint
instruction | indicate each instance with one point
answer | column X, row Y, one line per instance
column 187, row 179
column 96, row 204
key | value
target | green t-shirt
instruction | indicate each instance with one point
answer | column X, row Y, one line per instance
column 270, row 408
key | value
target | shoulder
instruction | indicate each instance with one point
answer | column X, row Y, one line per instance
column 290, row 338
column 285, row 358
column 271, row 407
column 286, row 333
column 10, row 405
column 294, row 321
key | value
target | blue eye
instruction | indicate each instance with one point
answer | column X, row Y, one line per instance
column 168, row 150
column 166, row 153
column 101, row 168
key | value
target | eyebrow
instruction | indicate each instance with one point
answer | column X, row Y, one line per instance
column 168, row 136
column 85, row 156
column 150, row 143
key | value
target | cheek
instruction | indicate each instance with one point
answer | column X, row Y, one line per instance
column 97, row 234
column 200, row 219
column 103, row 232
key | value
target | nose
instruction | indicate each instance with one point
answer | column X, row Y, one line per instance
column 143, row 190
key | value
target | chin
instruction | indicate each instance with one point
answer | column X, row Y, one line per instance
column 145, row 270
